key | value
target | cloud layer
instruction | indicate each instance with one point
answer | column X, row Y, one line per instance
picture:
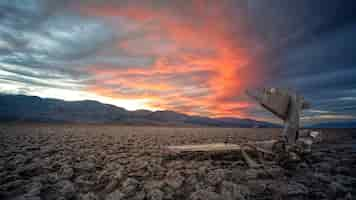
column 196, row 57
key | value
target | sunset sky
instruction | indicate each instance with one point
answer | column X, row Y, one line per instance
column 196, row 57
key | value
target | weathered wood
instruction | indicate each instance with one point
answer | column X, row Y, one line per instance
column 286, row 105
column 262, row 146
column 275, row 100
column 250, row 162
column 242, row 151
column 214, row 147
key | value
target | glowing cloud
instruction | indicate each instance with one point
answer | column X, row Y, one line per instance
column 196, row 57
column 199, row 58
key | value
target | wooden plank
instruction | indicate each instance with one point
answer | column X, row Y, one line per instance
column 214, row 147
column 262, row 146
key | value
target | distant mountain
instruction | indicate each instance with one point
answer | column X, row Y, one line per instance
column 343, row 124
column 36, row 109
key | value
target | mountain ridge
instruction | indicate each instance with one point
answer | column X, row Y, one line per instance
column 338, row 124
column 36, row 109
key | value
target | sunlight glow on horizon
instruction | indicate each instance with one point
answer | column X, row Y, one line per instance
column 74, row 95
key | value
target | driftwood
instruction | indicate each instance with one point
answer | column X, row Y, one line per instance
column 215, row 147
column 242, row 151
column 286, row 105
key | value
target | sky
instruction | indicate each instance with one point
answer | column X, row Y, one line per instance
column 196, row 57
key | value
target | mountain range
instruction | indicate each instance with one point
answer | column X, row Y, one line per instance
column 36, row 109
column 339, row 124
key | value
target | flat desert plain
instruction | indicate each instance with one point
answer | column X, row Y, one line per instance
column 63, row 161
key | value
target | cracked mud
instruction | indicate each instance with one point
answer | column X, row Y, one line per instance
column 117, row 162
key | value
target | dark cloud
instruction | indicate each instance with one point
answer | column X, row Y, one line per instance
column 43, row 40
column 186, row 56
column 309, row 46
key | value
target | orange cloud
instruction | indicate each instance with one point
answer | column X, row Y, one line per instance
column 199, row 63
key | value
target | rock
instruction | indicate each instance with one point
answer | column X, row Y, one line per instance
column 257, row 186
column 116, row 195
column 324, row 167
column 275, row 172
column 322, row 177
column 342, row 170
column 85, row 182
column 139, row 196
column 17, row 161
column 88, row 196
column 295, row 189
column 348, row 196
column 238, row 175
column 288, row 190
column 336, row 189
column 155, row 194
column 202, row 171
column 66, row 189
column 27, row 197
column 111, row 186
column 316, row 157
column 156, row 170
column 103, row 179
column 113, row 166
column 215, row 177
column 302, row 167
column 30, row 170
column 13, row 186
column 150, row 185
column 317, row 195
column 85, row 165
column 119, row 174
column 232, row 191
column 130, row 186
column 170, row 193
column 192, row 181
column 66, row 172
column 34, row 189
column 254, row 174
column 347, row 181
column 52, row 178
column 289, row 160
column 205, row 195
column 175, row 182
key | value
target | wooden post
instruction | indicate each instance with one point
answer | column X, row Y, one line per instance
column 286, row 105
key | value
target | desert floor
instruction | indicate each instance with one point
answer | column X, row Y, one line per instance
column 39, row 161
